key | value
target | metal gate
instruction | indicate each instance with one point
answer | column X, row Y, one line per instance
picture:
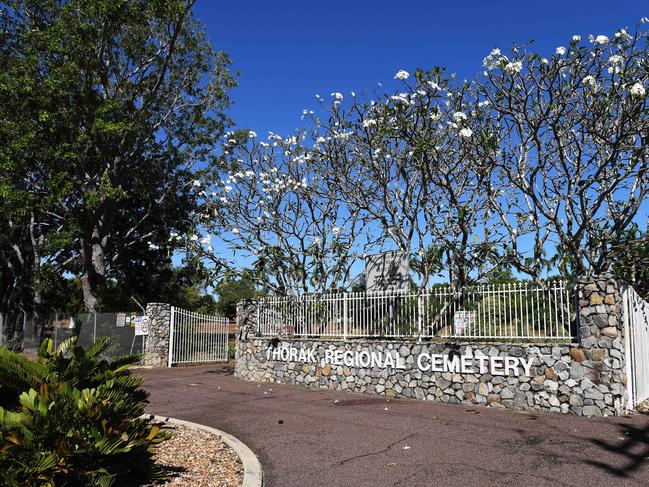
column 197, row 339
column 636, row 323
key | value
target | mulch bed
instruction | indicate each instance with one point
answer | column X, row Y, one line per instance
column 643, row 407
column 198, row 458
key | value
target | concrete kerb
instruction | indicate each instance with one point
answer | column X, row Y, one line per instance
column 252, row 471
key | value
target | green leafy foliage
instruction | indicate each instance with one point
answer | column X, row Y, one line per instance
column 232, row 290
column 73, row 418
column 106, row 107
column 632, row 266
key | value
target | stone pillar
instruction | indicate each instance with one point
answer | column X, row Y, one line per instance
column 156, row 350
column 246, row 319
column 600, row 362
column 246, row 327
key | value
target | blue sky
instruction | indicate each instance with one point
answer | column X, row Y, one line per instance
column 287, row 52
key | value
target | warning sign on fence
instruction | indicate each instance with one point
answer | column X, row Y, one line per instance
column 121, row 319
column 142, row 325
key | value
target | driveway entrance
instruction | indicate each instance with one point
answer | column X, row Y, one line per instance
column 320, row 437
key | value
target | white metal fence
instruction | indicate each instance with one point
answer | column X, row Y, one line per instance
column 636, row 321
column 495, row 311
column 195, row 338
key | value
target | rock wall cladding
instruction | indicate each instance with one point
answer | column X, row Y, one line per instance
column 559, row 378
column 585, row 378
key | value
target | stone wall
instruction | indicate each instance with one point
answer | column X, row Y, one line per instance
column 156, row 350
column 584, row 378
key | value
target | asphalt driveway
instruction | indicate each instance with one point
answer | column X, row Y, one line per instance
column 321, row 437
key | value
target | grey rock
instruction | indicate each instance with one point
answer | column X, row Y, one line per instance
column 591, row 411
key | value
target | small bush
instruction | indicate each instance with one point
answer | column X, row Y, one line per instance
column 72, row 418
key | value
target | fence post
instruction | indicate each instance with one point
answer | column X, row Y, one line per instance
column 171, row 336
column 420, row 318
column 345, row 324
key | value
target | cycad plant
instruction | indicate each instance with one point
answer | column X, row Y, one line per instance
column 73, row 418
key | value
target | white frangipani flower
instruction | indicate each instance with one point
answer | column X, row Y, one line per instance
column 576, row 38
column 235, row 230
column 193, row 238
column 615, row 62
column 561, row 50
column 494, row 59
column 337, row 96
column 368, row 122
column 335, row 231
column 638, row 90
column 616, row 59
column 459, row 116
column 466, row 132
column 622, row 34
column 514, row 67
column 589, row 81
column 196, row 182
column 402, row 74
column 401, row 98
column 252, row 134
column 601, row 39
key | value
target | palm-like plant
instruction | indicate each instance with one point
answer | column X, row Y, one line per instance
column 74, row 418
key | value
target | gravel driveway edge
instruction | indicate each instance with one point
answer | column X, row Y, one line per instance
column 252, row 471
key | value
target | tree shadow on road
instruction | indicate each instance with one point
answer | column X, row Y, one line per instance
column 225, row 369
column 633, row 450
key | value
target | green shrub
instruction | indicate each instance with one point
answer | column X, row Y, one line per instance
column 73, row 418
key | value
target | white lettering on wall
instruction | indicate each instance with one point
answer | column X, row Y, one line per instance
column 426, row 362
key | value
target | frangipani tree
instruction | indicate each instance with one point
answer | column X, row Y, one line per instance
column 270, row 203
column 574, row 130
column 411, row 162
column 539, row 164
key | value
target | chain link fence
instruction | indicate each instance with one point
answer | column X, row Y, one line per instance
column 24, row 332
